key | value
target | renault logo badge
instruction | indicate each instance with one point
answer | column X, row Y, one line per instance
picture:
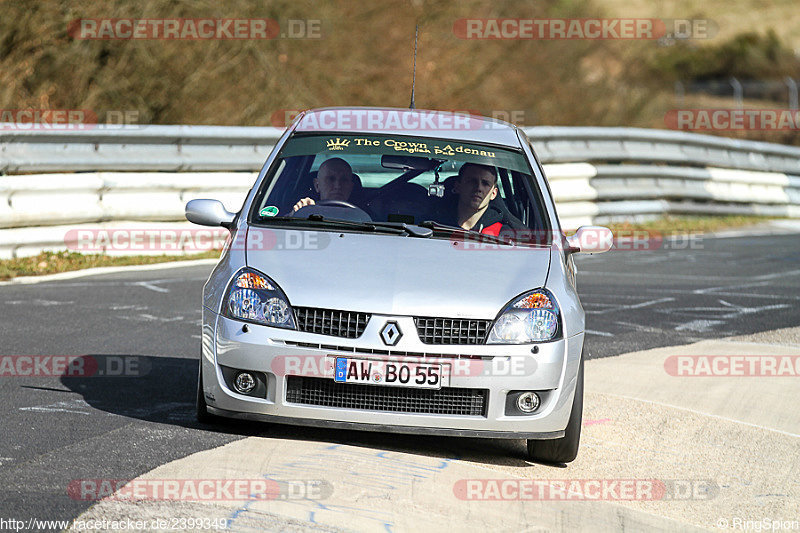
column 391, row 333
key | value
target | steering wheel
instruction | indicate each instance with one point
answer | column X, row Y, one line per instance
column 333, row 209
column 337, row 203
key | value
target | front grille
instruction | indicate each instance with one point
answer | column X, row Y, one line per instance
column 451, row 330
column 327, row 393
column 347, row 324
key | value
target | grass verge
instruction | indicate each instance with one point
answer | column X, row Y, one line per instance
column 54, row 262
column 671, row 225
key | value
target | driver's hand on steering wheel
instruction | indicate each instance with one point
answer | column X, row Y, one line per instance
column 302, row 203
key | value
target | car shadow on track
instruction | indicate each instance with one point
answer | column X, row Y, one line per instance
column 162, row 390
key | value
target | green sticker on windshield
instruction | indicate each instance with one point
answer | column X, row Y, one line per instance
column 269, row 211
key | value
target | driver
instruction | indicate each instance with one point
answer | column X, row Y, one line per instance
column 475, row 187
column 334, row 181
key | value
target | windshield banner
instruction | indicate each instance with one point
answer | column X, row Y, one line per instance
column 402, row 145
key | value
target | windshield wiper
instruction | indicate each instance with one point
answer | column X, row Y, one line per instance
column 461, row 232
column 412, row 230
column 317, row 220
column 392, row 228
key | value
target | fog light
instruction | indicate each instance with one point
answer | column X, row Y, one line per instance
column 245, row 383
column 528, row 402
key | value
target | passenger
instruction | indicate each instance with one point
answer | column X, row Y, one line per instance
column 334, row 181
column 475, row 187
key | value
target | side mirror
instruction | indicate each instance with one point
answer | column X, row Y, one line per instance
column 591, row 239
column 209, row 213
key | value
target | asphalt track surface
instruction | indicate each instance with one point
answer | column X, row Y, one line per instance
column 59, row 429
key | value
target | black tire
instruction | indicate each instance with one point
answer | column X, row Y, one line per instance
column 201, row 408
column 565, row 449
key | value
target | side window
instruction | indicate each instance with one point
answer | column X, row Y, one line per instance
column 285, row 187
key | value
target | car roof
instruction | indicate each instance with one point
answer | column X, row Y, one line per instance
column 453, row 125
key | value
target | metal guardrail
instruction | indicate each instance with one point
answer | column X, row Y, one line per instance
column 224, row 148
column 147, row 173
column 135, row 148
column 565, row 144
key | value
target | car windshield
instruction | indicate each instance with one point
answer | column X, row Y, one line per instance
column 367, row 181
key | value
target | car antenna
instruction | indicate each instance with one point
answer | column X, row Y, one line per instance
column 414, row 75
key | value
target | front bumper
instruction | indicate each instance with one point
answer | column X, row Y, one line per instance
column 495, row 368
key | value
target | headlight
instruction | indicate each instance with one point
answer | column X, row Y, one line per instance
column 256, row 298
column 533, row 317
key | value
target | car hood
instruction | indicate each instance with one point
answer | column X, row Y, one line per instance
column 396, row 275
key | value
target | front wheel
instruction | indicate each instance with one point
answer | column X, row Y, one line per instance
column 564, row 449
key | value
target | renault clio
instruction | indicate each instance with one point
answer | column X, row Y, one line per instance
column 398, row 270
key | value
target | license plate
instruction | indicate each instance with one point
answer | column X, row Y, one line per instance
column 391, row 373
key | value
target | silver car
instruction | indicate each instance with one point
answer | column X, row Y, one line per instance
column 398, row 270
